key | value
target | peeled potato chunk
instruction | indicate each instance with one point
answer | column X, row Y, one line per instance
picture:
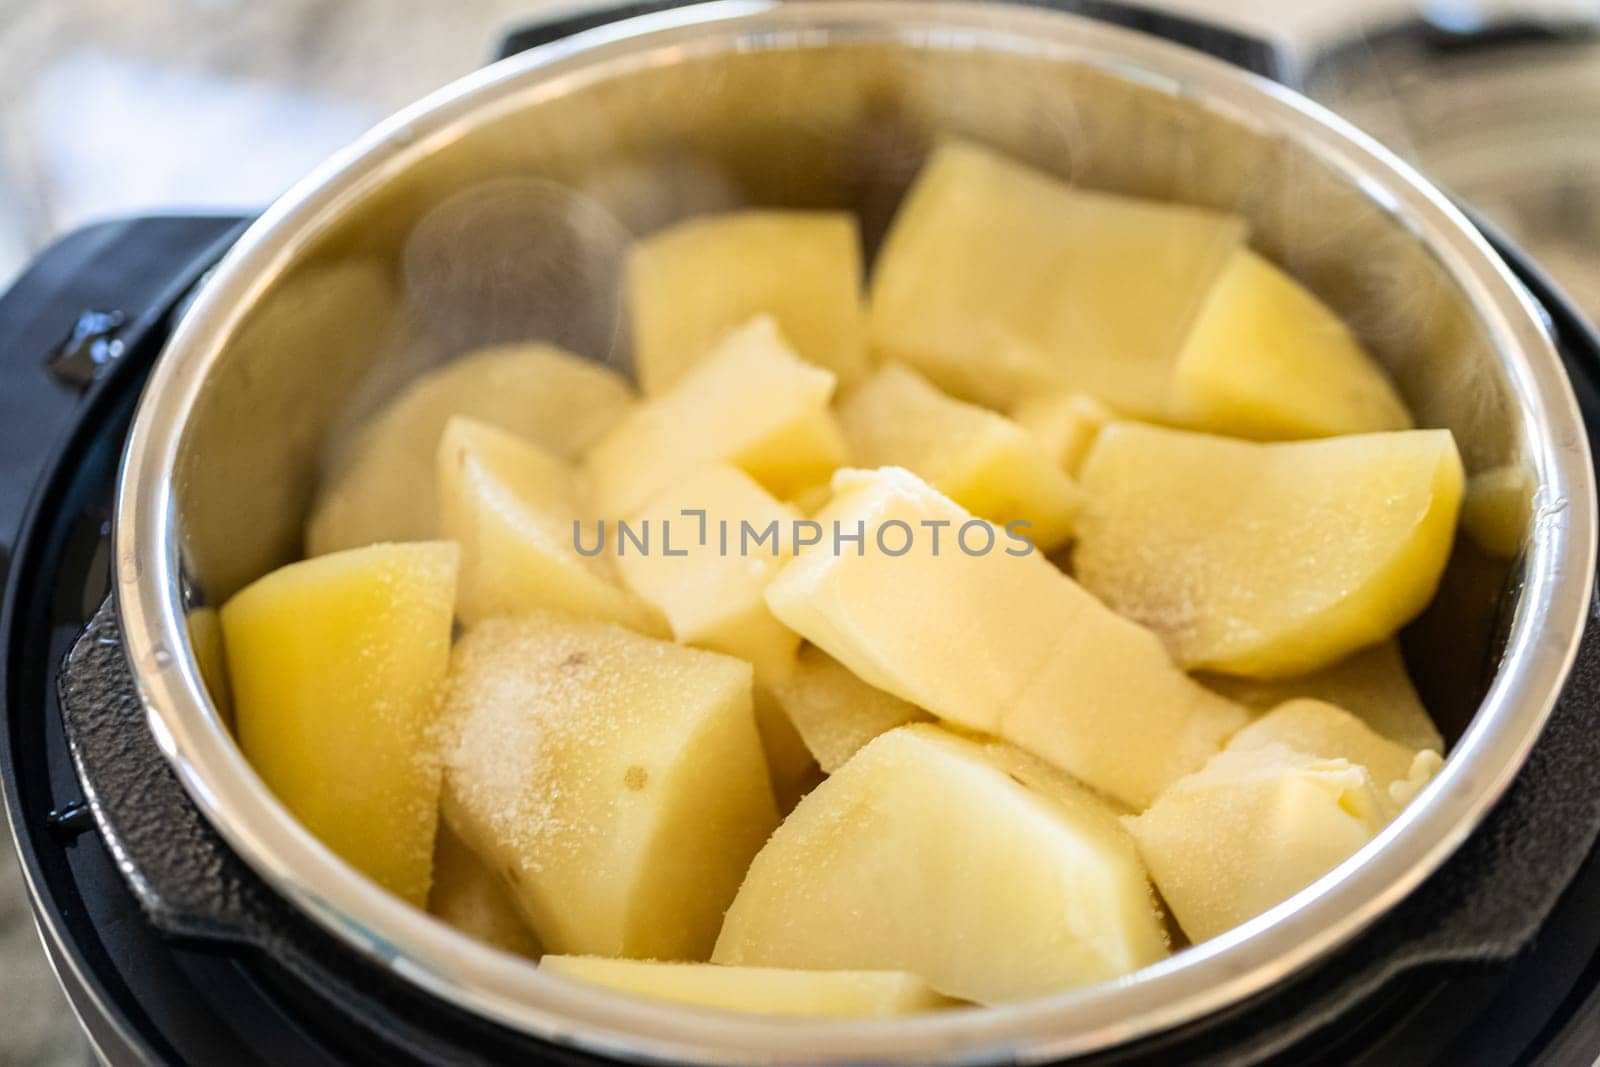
column 691, row 553
column 1268, row 360
column 1065, row 425
column 989, row 875
column 512, row 505
column 983, row 461
column 997, row 641
column 382, row 488
column 1267, row 560
column 690, row 284
column 1497, row 510
column 1320, row 729
column 836, row 712
column 337, row 665
column 1372, row 685
column 1000, row 282
column 615, row 781
column 1250, row 830
column 758, row 990
column 473, row 899
column 752, row 403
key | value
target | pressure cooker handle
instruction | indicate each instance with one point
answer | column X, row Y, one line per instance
column 1243, row 50
column 71, row 318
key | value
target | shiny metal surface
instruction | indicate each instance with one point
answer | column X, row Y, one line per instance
column 811, row 104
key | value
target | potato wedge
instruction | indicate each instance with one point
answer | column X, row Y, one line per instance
column 690, row 284
column 1065, row 425
column 988, row 874
column 1497, row 511
column 758, row 990
column 1267, row 560
column 1320, row 729
column 337, row 665
column 752, row 403
column 837, row 713
column 473, row 899
column 1266, row 359
column 998, row 641
column 692, row 552
column 1250, row 830
column 983, row 461
column 1000, row 282
column 382, row 488
column 512, row 506
column 1371, row 684
column 615, row 781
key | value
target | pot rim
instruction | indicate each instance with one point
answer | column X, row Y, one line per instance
column 1548, row 621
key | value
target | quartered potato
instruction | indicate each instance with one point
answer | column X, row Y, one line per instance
column 616, row 782
column 1268, row 360
column 1000, row 282
column 836, row 712
column 512, row 507
column 983, row 461
column 972, row 866
column 1065, row 425
column 1251, row 829
column 690, row 284
column 474, row 899
column 752, row 403
column 337, row 665
column 758, row 990
column 1371, row 684
column 1267, row 560
column 997, row 641
column 1320, row 729
column 383, row 488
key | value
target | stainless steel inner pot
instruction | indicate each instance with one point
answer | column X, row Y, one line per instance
column 498, row 208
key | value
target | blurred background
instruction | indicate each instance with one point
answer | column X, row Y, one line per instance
column 115, row 107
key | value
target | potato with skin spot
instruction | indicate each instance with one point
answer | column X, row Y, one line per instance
column 512, row 507
column 837, row 713
column 336, row 665
column 1251, row 829
column 983, row 461
column 1267, row 560
column 691, row 283
column 1371, row 684
column 1001, row 282
column 752, row 403
column 616, row 781
column 892, row 863
column 997, row 642
column 758, row 990
column 383, row 489
column 1266, row 359
column 473, row 899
